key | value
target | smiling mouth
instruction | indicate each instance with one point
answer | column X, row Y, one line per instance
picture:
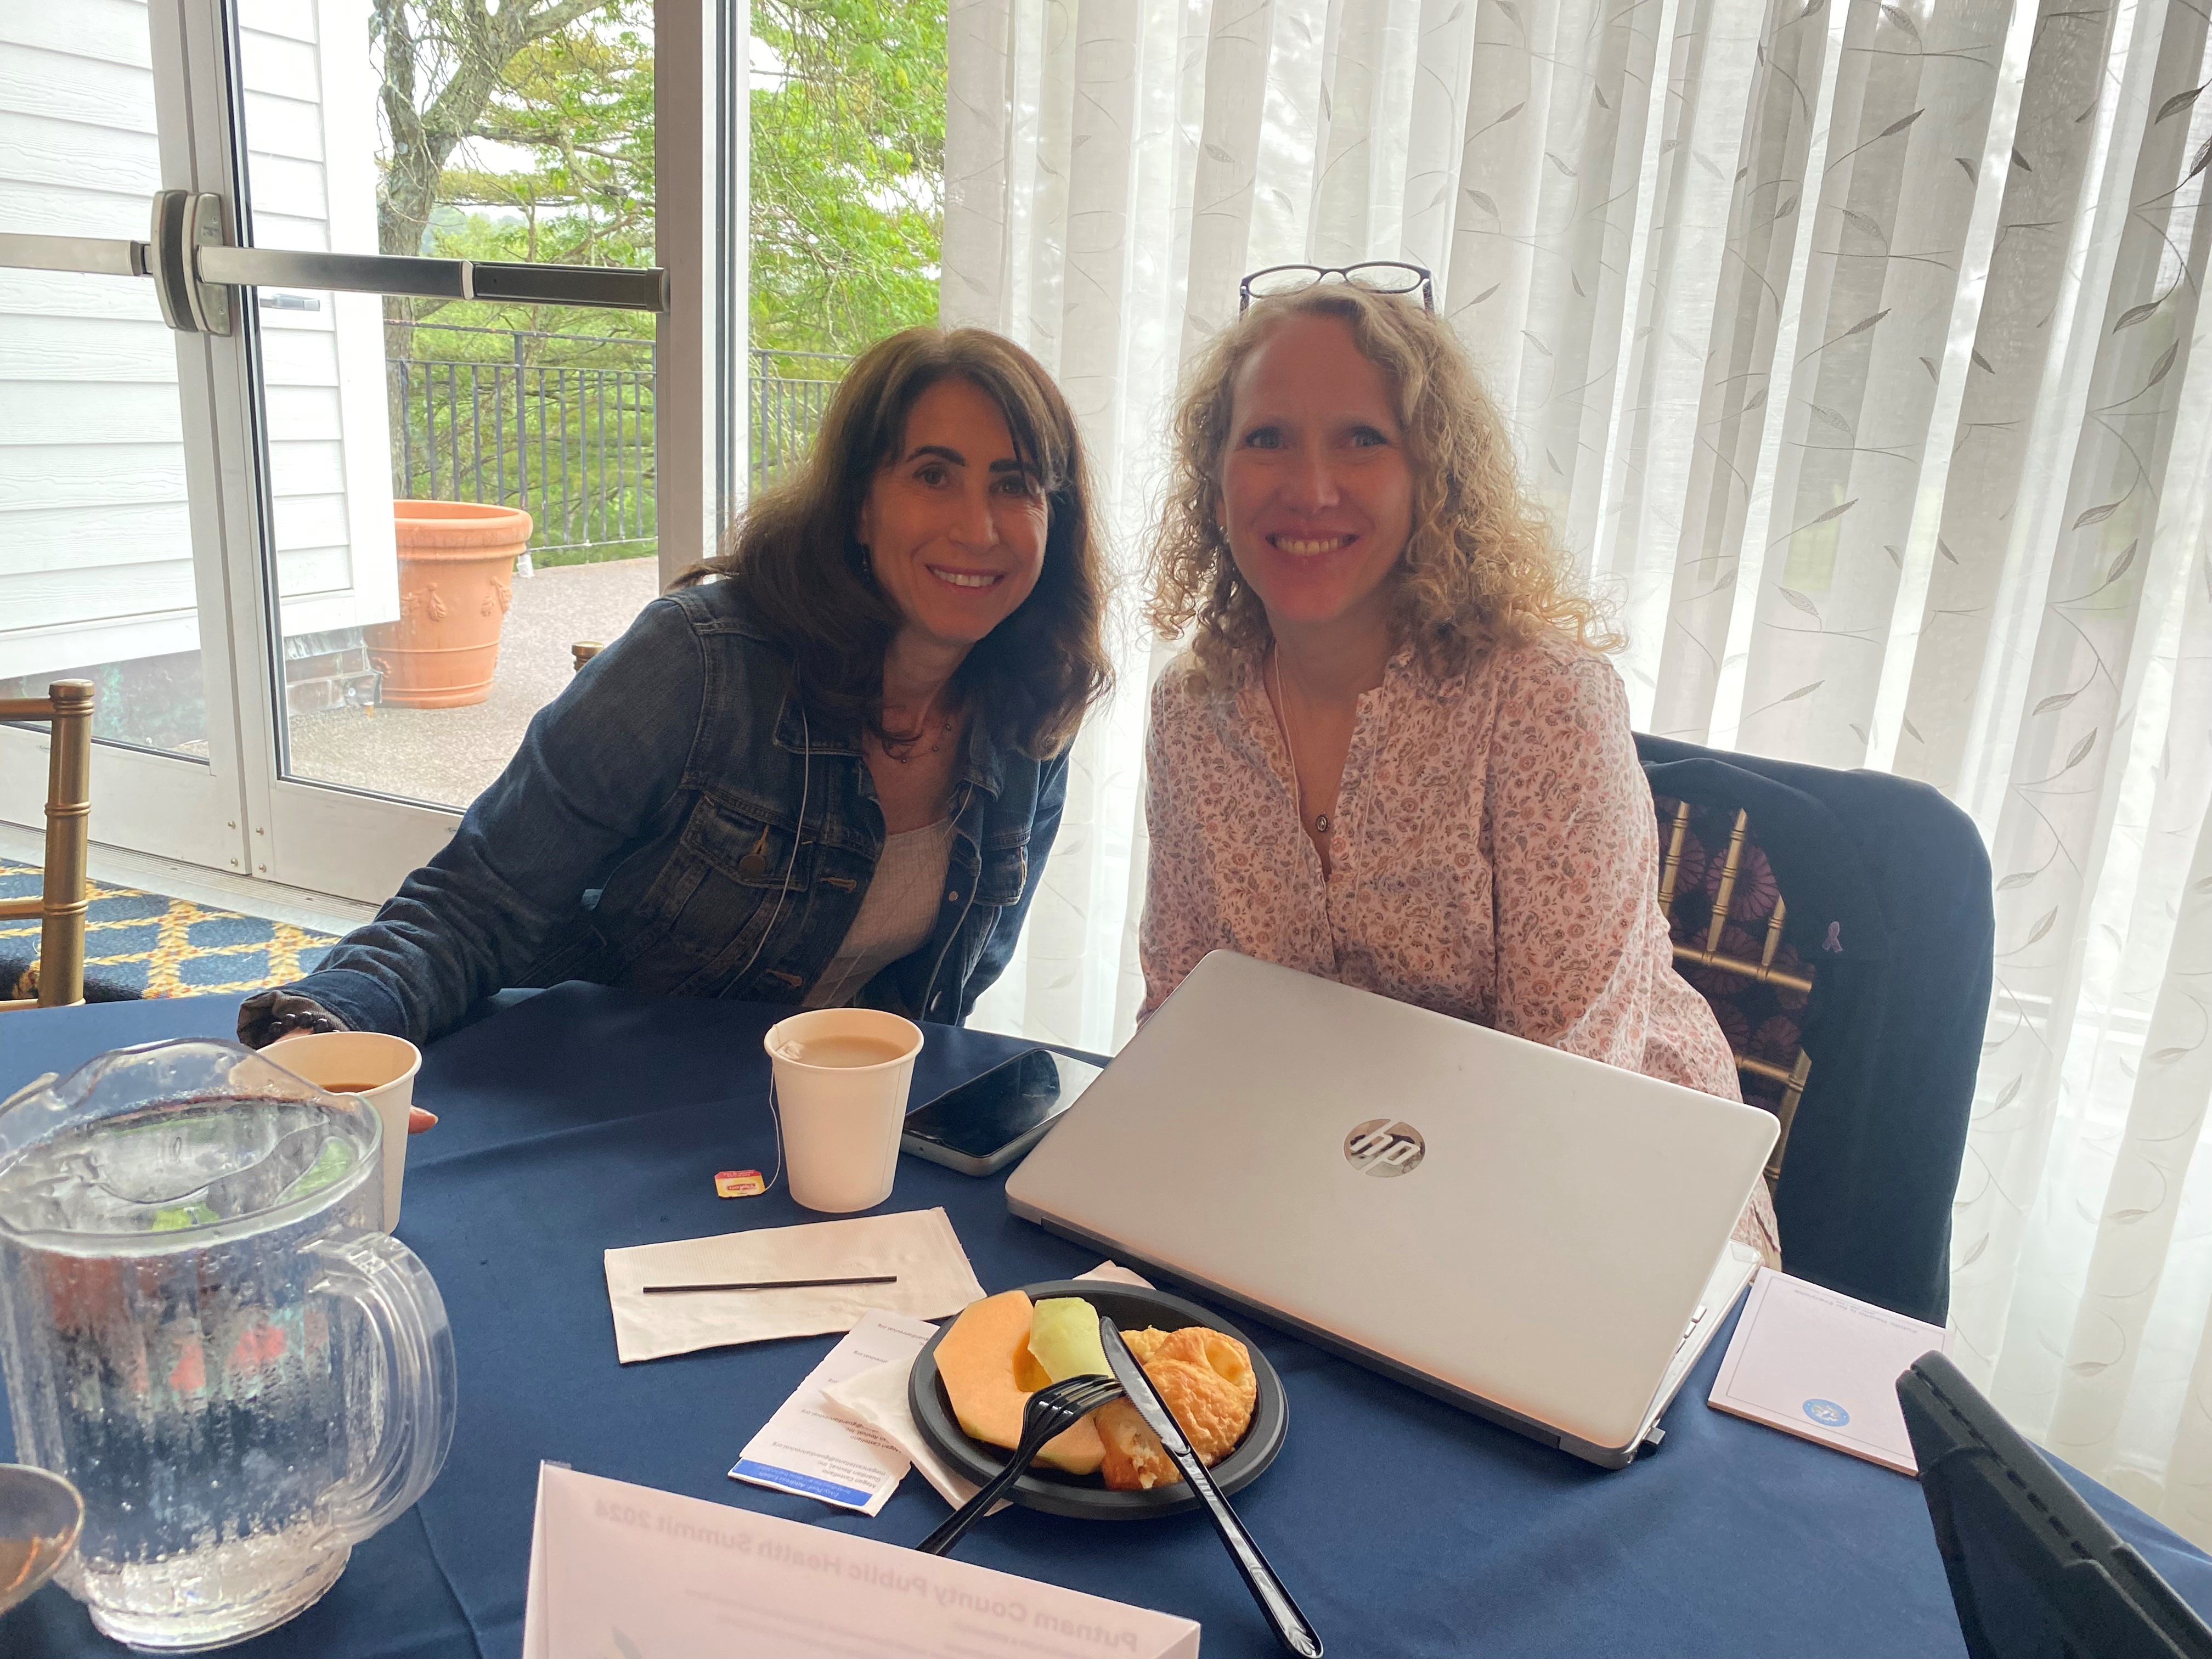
column 1306, row 547
column 969, row 579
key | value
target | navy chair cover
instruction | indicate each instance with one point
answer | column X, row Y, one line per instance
column 1888, row 886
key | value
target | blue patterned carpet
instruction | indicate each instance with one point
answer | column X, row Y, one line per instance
column 143, row 944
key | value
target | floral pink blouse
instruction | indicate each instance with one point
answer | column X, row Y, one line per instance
column 1495, row 858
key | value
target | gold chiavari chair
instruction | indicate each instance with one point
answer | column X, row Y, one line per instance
column 583, row 651
column 1698, row 944
column 67, row 708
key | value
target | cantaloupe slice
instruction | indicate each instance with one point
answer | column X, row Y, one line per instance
column 989, row 1376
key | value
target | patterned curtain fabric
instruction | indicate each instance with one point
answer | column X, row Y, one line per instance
column 1856, row 350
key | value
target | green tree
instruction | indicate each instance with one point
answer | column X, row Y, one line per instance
column 549, row 407
column 847, row 157
column 444, row 62
column 848, row 171
column 577, row 99
column 846, row 186
column 580, row 103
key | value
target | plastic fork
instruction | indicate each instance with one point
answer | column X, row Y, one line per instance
column 1050, row 1411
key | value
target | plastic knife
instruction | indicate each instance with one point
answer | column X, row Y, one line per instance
column 1291, row 1629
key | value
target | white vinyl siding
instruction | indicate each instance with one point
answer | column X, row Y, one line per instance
column 95, row 555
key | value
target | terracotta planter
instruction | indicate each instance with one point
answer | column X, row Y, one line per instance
column 456, row 571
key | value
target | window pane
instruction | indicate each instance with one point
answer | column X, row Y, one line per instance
column 95, row 543
column 848, row 191
column 411, row 664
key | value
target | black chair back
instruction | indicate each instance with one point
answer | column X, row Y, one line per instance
column 1886, row 908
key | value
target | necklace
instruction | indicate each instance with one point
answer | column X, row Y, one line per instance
column 931, row 722
column 1283, row 725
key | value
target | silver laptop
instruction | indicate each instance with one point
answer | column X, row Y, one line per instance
column 1540, row 1238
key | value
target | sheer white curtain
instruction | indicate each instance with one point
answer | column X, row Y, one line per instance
column 1856, row 351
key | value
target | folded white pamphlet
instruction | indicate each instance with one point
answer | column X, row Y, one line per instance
column 617, row 1569
column 805, row 1450
column 918, row 1249
column 1822, row 1365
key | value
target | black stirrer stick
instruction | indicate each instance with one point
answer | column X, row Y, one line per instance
column 778, row 1284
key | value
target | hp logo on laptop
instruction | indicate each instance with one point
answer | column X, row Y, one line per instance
column 1384, row 1146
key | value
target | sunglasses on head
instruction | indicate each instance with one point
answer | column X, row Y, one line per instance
column 1376, row 276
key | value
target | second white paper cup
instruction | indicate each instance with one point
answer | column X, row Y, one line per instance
column 841, row 1123
column 327, row 1058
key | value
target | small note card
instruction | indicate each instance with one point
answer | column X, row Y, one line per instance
column 617, row 1569
column 806, row 1449
column 1822, row 1366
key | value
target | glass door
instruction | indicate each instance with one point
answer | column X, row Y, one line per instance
column 449, row 372
column 107, row 560
column 398, row 261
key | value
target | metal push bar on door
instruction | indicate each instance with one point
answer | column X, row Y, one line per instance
column 195, row 266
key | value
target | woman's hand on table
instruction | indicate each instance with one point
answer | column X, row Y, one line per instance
column 268, row 1018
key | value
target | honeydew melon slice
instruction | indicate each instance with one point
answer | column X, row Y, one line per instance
column 1064, row 1338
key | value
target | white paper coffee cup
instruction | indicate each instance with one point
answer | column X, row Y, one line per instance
column 386, row 1065
column 841, row 1121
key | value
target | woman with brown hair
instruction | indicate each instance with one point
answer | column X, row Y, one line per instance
column 1393, row 754
column 826, row 769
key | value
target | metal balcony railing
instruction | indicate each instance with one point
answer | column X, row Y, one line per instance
column 790, row 391
column 562, row 425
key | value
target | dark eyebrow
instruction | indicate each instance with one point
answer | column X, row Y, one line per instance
column 943, row 452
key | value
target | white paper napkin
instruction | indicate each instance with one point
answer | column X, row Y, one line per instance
column 1114, row 1274
column 934, row 1281
column 875, row 1399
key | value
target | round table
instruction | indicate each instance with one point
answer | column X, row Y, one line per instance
column 585, row 1118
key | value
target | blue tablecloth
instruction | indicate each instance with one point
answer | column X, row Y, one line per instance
column 585, row 1118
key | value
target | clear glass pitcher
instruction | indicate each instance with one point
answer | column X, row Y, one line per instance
column 202, row 1327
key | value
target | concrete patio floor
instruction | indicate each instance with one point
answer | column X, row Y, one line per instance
column 449, row 755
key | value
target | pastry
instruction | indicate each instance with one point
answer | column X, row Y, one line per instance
column 1204, row 1379
column 1135, row 1459
column 1144, row 1344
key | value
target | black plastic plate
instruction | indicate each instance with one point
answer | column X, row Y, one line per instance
column 1085, row 1497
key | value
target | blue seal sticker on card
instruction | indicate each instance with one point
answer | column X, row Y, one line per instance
column 1827, row 1413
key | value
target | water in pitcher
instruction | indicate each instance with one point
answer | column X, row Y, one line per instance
column 157, row 1269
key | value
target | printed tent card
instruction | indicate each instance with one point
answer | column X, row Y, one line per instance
column 1822, row 1366
column 617, row 1569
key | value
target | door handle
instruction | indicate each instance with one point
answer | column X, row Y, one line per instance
column 195, row 267
column 620, row 287
column 183, row 223
column 96, row 256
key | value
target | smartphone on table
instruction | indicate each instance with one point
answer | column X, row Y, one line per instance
column 989, row 1121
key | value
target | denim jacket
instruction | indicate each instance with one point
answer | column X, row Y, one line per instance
column 672, row 822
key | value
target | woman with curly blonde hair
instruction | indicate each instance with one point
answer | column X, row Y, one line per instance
column 1393, row 754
